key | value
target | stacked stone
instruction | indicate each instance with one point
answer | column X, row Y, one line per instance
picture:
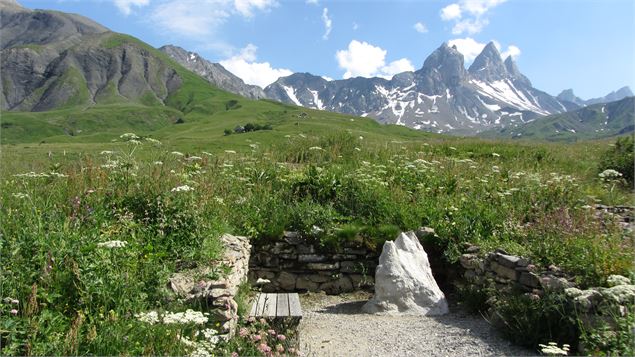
column 295, row 264
column 216, row 296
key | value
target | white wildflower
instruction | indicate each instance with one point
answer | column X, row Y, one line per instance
column 495, row 154
column 230, row 152
column 302, row 136
column 107, row 152
column 207, row 153
column 315, row 148
column 177, row 153
column 452, row 148
column 154, row 141
column 20, row 195
column 151, row 317
column 189, row 316
column 358, row 149
column 194, row 158
column 129, row 137
column 361, row 137
column 158, row 163
column 112, row 244
column 183, row 188
column 609, row 175
column 552, row 349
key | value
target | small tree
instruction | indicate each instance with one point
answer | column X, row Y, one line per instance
column 620, row 158
column 227, row 132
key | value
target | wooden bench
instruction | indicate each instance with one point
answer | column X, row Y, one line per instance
column 271, row 306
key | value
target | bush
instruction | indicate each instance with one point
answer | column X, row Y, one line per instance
column 620, row 158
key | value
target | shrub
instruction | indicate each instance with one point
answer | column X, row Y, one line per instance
column 620, row 158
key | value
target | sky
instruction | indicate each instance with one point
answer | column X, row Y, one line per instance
column 581, row 44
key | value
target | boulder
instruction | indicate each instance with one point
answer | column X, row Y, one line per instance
column 404, row 284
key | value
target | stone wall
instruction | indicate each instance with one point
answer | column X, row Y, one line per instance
column 214, row 288
column 296, row 264
column 595, row 307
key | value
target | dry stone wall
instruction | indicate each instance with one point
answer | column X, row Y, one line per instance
column 297, row 264
column 214, row 288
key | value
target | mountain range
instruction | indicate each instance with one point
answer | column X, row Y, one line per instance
column 51, row 60
column 567, row 95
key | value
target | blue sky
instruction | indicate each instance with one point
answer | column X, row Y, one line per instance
column 579, row 44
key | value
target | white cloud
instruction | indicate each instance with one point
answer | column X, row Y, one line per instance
column 125, row 6
column 246, row 7
column 312, row 2
column 355, row 26
column 362, row 59
column 244, row 66
column 512, row 50
column 469, row 16
column 328, row 23
column 451, row 12
column 327, row 78
column 471, row 48
column 201, row 19
column 420, row 27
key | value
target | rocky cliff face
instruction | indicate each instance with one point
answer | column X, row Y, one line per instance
column 51, row 60
column 213, row 72
column 442, row 96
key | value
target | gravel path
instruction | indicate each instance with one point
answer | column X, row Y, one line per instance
column 336, row 326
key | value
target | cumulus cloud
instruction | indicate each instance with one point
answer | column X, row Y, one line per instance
column 125, row 6
column 362, row 59
column 328, row 23
column 451, row 12
column 244, row 66
column 246, row 7
column 420, row 27
column 471, row 48
column 469, row 16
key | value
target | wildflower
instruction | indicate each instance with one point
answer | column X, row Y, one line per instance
column 177, row 153
column 243, row 332
column 361, row 137
column 112, row 244
column 183, row 188
column 194, row 158
column 129, row 137
column 358, row 149
column 154, row 141
column 14, row 312
column 552, row 349
column 107, row 152
column 210, row 334
column 495, row 154
column 20, row 195
column 230, row 152
column 609, row 174
column 151, row 317
column 315, row 148
column 271, row 332
column 264, row 348
column 235, row 354
column 256, row 338
column 302, row 135
column 189, row 316
column 207, row 153
column 158, row 163
column 282, row 337
column 279, row 348
column 452, row 148
column 219, row 200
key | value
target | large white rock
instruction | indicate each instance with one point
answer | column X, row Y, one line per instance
column 404, row 284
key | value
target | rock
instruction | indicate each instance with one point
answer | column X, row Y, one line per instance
column 469, row 261
column 303, row 283
column 529, row 279
column 473, row 249
column 350, row 267
column 356, row 251
column 425, row 232
column 403, row 281
column 504, row 272
column 616, row 280
column 361, row 281
column 341, row 285
column 555, row 283
column 508, row 261
column 323, row 266
column 287, row 281
column 320, row 278
column 311, row 258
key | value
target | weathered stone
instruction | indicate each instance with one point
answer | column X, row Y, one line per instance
column 280, row 247
column 503, row 271
column 305, row 249
column 403, row 281
column 265, row 274
column 341, row 285
column 469, row 261
column 344, row 256
column 320, row 278
column 311, row 258
column 350, row 267
column 356, row 251
column 529, row 279
column 221, row 315
column 469, row 275
column 289, row 256
column 303, row 283
column 473, row 249
column 508, row 261
column 522, row 262
column 287, row 281
column 323, row 266
column 425, row 232
column 554, row 283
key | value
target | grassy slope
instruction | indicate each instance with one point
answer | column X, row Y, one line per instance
column 582, row 124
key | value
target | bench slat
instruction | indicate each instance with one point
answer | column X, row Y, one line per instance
column 269, row 305
column 295, row 310
column 282, row 305
column 254, row 307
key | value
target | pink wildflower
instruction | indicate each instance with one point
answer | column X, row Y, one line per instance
column 14, row 312
column 279, row 348
column 271, row 332
column 256, row 337
column 264, row 348
column 282, row 337
column 235, row 354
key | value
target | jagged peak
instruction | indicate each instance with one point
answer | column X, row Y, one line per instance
column 488, row 65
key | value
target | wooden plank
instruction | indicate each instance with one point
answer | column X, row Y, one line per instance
column 295, row 310
column 269, row 305
column 282, row 305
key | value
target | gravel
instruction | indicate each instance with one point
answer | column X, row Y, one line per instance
column 336, row 326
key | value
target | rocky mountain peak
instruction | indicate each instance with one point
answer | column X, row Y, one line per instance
column 488, row 65
column 514, row 72
column 443, row 69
